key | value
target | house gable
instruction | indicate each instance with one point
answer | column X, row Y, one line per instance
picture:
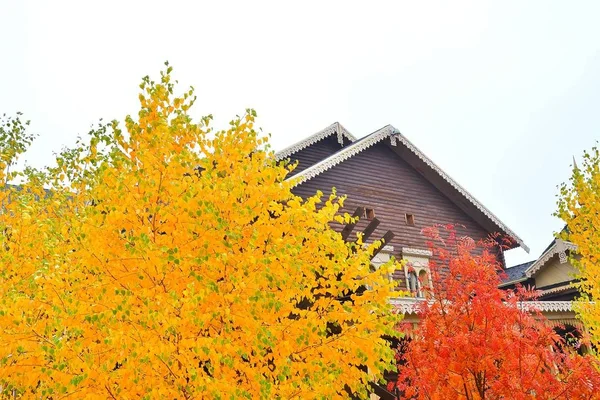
column 554, row 273
column 419, row 162
column 379, row 179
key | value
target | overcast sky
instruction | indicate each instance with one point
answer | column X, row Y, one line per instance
column 501, row 95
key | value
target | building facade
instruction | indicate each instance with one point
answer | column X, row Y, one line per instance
column 394, row 187
column 400, row 189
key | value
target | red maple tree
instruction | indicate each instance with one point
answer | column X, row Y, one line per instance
column 475, row 341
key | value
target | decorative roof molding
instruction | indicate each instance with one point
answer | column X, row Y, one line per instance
column 562, row 322
column 344, row 154
column 407, row 305
column 546, row 306
column 410, row 305
column 394, row 135
column 336, row 128
column 559, row 247
column 558, row 289
column 407, row 251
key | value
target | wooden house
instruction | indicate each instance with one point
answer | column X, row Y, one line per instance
column 401, row 190
column 398, row 186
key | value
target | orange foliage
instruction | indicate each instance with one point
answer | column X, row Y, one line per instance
column 475, row 341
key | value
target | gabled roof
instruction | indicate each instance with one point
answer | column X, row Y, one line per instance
column 414, row 156
column 335, row 128
column 558, row 246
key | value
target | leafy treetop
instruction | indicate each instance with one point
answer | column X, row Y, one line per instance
column 169, row 260
column 476, row 341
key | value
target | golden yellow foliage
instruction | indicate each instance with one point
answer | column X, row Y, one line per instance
column 168, row 261
column 579, row 207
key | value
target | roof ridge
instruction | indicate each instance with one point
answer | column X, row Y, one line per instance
column 336, row 127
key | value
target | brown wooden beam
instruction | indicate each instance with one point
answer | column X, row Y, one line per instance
column 370, row 229
column 350, row 227
column 389, row 235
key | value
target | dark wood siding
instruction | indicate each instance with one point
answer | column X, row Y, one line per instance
column 378, row 178
column 316, row 152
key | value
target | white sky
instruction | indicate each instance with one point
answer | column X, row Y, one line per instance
column 501, row 95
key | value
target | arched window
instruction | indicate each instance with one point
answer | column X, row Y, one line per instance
column 416, row 271
column 423, row 282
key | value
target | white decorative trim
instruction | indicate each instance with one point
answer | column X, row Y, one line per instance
column 408, row 251
column 388, row 249
column 343, row 155
column 385, row 249
column 546, row 306
column 376, row 137
column 410, row 305
column 557, row 289
column 336, row 127
column 393, row 140
column 559, row 247
column 407, row 305
column 562, row 257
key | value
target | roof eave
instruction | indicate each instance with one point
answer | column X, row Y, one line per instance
column 335, row 128
column 513, row 282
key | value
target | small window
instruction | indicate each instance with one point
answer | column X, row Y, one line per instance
column 369, row 213
column 410, row 219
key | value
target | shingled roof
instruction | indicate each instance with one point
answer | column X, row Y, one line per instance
column 516, row 273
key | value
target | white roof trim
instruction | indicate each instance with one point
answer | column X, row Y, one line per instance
column 410, row 305
column 394, row 135
column 408, row 251
column 547, row 306
column 559, row 247
column 407, row 305
column 343, row 155
column 336, row 127
column 558, row 289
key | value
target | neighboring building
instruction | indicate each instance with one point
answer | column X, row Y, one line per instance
column 400, row 189
column 553, row 275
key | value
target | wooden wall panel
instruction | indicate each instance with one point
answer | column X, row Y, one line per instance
column 378, row 178
column 316, row 152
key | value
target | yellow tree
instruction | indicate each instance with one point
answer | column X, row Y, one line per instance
column 168, row 260
column 579, row 207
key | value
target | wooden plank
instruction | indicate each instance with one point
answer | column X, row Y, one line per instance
column 350, row 227
column 389, row 235
column 370, row 229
